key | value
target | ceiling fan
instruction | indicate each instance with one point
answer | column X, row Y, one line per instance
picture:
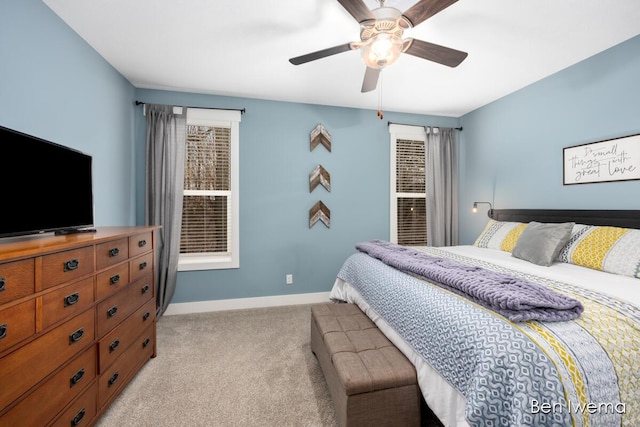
column 381, row 40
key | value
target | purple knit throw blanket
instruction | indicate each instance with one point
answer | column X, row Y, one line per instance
column 516, row 299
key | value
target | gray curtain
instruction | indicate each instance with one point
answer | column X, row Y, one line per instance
column 442, row 187
column 166, row 135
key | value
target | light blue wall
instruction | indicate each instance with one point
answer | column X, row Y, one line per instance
column 55, row 86
column 511, row 149
column 275, row 161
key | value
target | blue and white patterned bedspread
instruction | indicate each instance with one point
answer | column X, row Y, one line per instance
column 529, row 374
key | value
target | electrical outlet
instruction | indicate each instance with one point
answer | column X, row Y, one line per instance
column 289, row 279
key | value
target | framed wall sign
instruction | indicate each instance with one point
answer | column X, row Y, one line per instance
column 602, row 161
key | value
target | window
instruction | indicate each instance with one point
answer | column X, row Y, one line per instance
column 210, row 225
column 408, row 211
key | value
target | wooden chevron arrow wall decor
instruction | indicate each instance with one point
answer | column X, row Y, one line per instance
column 320, row 135
column 319, row 212
column 319, row 176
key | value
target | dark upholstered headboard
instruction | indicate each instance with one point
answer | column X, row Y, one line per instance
column 616, row 218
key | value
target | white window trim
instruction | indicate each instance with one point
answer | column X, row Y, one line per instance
column 230, row 119
column 396, row 132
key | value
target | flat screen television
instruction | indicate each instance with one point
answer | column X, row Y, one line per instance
column 44, row 186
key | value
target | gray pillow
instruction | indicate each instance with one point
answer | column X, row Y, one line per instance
column 540, row 243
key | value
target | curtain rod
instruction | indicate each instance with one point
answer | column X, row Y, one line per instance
column 424, row 126
column 242, row 110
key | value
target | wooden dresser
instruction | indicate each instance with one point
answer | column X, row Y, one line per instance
column 77, row 321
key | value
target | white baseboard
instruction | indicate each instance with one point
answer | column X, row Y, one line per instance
column 241, row 303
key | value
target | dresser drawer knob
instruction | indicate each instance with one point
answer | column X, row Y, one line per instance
column 71, row 265
column 114, row 252
column 71, row 299
column 76, row 336
column 145, row 343
column 112, row 311
column 113, row 346
column 78, row 418
column 76, row 378
column 114, row 279
column 142, row 243
column 2, row 283
column 145, row 316
column 3, row 330
column 145, row 289
column 113, row 379
column 143, row 265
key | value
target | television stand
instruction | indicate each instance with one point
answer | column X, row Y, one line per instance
column 74, row 231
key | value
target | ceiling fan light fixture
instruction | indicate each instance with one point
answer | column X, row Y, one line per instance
column 381, row 38
column 382, row 50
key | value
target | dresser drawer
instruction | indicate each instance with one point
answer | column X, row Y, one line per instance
column 123, row 369
column 38, row 408
column 16, row 279
column 111, row 253
column 81, row 411
column 17, row 323
column 140, row 266
column 117, row 307
column 118, row 340
column 67, row 301
column 112, row 280
column 29, row 364
column 140, row 244
column 66, row 266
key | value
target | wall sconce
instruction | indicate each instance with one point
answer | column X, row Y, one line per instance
column 475, row 207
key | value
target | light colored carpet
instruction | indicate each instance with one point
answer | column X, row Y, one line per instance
column 231, row 368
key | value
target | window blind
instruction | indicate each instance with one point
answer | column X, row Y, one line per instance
column 410, row 166
column 412, row 221
column 410, row 192
column 206, row 215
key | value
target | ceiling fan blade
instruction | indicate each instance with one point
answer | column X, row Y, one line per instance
column 321, row 54
column 425, row 9
column 436, row 53
column 370, row 79
column 357, row 9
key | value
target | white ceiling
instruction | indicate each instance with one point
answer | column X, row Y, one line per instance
column 241, row 47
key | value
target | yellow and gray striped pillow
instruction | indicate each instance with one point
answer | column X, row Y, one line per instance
column 612, row 249
column 501, row 235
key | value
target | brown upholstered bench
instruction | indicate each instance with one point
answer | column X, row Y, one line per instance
column 371, row 382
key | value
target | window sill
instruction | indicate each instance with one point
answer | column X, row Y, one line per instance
column 194, row 263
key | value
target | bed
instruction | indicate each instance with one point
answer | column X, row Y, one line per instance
column 476, row 367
